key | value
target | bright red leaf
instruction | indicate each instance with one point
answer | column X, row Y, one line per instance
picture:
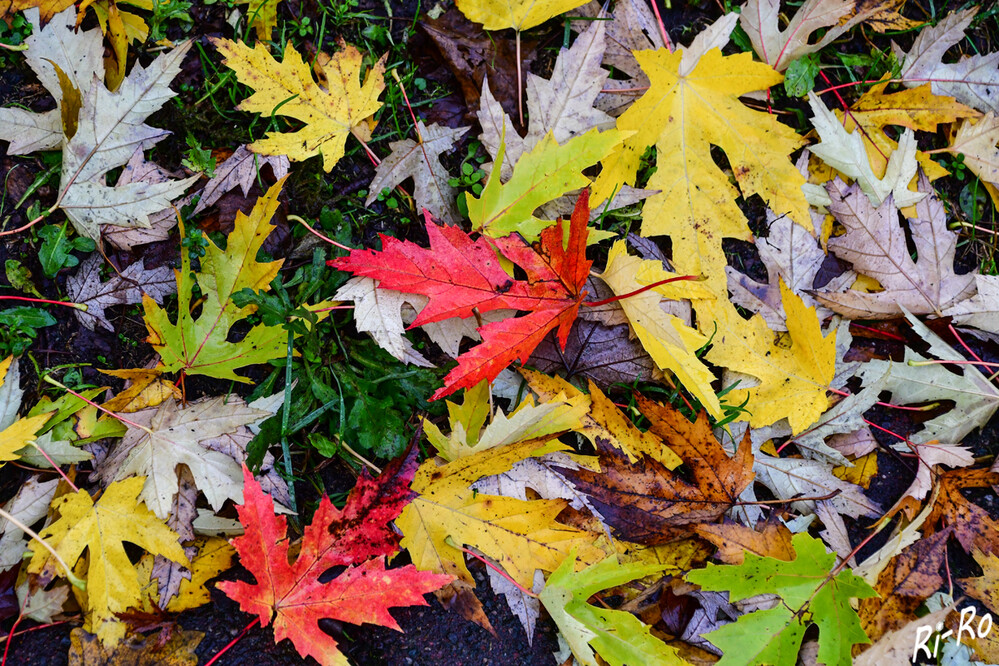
column 461, row 276
column 292, row 595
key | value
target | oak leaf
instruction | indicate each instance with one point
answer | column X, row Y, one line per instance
column 645, row 502
column 447, row 514
column 973, row 80
column 420, row 160
column 101, row 528
column 329, row 114
column 617, row 636
column 684, row 115
column 810, row 595
column 290, row 594
column 461, row 276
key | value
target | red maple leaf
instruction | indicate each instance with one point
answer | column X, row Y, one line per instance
column 461, row 277
column 292, row 595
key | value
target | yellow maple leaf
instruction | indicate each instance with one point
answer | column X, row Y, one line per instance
column 262, row 16
column 101, row 529
column 684, row 115
column 47, row 8
column 516, row 14
column 793, row 378
column 669, row 342
column 604, row 420
column 287, row 88
column 521, row 536
column 21, row 432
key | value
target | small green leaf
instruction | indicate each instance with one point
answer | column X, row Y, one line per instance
column 56, row 252
column 799, row 78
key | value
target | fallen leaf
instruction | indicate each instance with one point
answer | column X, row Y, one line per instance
column 684, row 115
column 516, row 14
column 974, row 527
column 102, row 528
column 810, row 595
column 200, row 346
column 546, row 172
column 896, row 647
column 973, row 80
column 793, row 380
column 460, row 275
column 48, row 8
column 778, row 48
column 241, row 169
column 28, row 505
column 617, row 636
column 845, row 152
column 976, row 141
column 861, row 471
column 791, row 478
column 138, row 170
column 646, row 503
column 291, row 595
column 329, row 115
column 447, row 515
column 420, row 160
column 262, row 15
column 981, row 311
column 40, row 604
column 165, row 648
column 983, row 588
column 378, row 312
column 734, row 541
column 124, row 288
column 904, row 585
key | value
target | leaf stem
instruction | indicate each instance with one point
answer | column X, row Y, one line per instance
column 593, row 304
column 296, row 218
column 499, row 571
column 285, row 415
column 76, row 306
column 121, row 418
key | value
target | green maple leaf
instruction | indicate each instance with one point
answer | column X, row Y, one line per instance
column 199, row 345
column 809, row 595
column 619, row 637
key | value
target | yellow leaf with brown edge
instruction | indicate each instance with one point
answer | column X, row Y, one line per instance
column 685, row 115
column 734, row 540
column 521, row 536
column 604, row 420
column 287, row 88
column 793, row 372
column 669, row 342
column 47, row 8
column 101, row 528
column 863, row 470
column 984, row 588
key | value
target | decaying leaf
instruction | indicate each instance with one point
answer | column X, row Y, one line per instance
column 778, row 48
column 241, row 169
column 165, row 648
column 734, row 541
column 123, row 288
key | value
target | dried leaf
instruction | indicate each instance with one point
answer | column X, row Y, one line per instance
column 123, row 288
column 778, row 48
column 241, row 169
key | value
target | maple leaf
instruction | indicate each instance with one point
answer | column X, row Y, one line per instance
column 793, row 381
column 420, row 160
column 461, row 276
column 617, row 636
column 646, row 503
column 101, row 528
column 263, row 17
column 981, row 310
column 561, row 105
column 167, row 647
column 548, row 171
column 793, row 256
column 976, row 142
column 517, row 14
column 200, row 346
column 684, row 114
column 48, row 8
column 973, row 80
column 810, row 595
column 127, row 287
column 173, row 439
column 669, row 342
column 876, row 244
column 329, row 114
column 734, row 541
column 896, row 647
column 983, row 587
column 447, row 515
column 104, row 129
column 778, row 48
column 974, row 527
column 290, row 593
column 15, row 433
column 904, row 585
column 241, row 169
column 28, row 505
column 846, row 153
